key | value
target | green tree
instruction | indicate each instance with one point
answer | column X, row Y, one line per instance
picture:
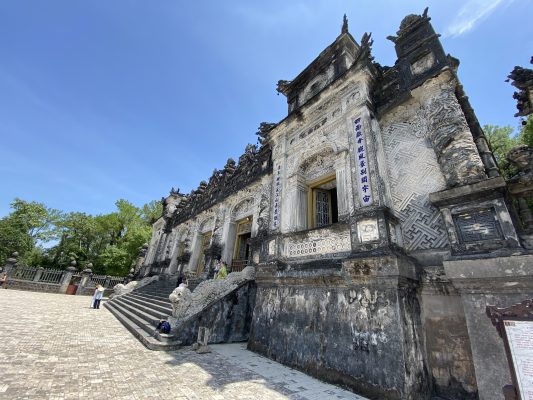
column 110, row 242
column 152, row 211
column 116, row 260
column 12, row 238
column 78, row 234
column 501, row 141
column 27, row 226
column 526, row 134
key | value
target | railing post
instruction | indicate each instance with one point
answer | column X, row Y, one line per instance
column 85, row 279
column 65, row 279
column 11, row 264
column 38, row 274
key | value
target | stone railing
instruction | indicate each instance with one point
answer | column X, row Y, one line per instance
column 38, row 274
column 37, row 278
column 121, row 288
column 56, row 281
column 107, row 281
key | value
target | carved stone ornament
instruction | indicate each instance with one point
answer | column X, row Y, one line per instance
column 263, row 131
column 283, row 86
column 121, row 289
column 522, row 158
column 406, row 24
column 523, row 80
column 186, row 304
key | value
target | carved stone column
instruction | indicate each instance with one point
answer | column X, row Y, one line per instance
column 342, row 187
column 295, row 209
column 195, row 250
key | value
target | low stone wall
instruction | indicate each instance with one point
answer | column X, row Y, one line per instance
column 33, row 286
column 228, row 319
column 89, row 291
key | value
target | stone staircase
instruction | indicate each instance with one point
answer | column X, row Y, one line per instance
column 141, row 310
column 224, row 306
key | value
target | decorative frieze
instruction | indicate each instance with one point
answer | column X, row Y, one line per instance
column 316, row 243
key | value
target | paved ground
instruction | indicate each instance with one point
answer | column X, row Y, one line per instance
column 55, row 347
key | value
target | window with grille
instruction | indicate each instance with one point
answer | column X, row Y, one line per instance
column 322, row 204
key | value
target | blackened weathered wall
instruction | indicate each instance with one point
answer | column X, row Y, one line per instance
column 228, row 319
column 447, row 343
column 365, row 335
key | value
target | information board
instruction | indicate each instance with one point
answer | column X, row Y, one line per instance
column 520, row 338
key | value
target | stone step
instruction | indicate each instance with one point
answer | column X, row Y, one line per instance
column 140, row 333
column 163, row 295
column 141, row 321
column 146, row 308
column 158, row 292
column 158, row 285
column 165, row 302
column 146, row 320
column 143, row 302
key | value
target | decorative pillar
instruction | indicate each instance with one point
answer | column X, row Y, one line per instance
column 11, row 264
column 195, row 250
column 295, row 211
column 38, row 274
column 85, row 277
column 228, row 239
column 66, row 278
column 342, row 189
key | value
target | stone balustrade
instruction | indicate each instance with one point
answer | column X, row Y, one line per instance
column 55, row 281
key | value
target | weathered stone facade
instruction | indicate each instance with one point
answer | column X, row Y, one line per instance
column 358, row 210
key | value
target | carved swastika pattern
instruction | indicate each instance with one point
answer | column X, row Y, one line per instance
column 414, row 173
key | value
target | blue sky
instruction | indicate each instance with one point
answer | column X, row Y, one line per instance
column 101, row 100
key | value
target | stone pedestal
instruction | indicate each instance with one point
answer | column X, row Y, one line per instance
column 502, row 282
column 354, row 322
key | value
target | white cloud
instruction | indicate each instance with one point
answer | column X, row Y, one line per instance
column 471, row 14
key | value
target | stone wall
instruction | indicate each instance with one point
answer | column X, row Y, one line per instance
column 33, row 286
column 446, row 339
column 229, row 319
column 167, row 248
column 352, row 323
column 501, row 282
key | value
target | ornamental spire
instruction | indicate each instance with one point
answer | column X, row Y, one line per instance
column 344, row 24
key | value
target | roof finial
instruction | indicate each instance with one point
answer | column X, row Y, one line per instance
column 344, row 24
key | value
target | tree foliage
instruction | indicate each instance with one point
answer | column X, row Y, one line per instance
column 502, row 139
column 27, row 226
column 526, row 135
column 50, row 238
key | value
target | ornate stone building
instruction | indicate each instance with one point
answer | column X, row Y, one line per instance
column 377, row 222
